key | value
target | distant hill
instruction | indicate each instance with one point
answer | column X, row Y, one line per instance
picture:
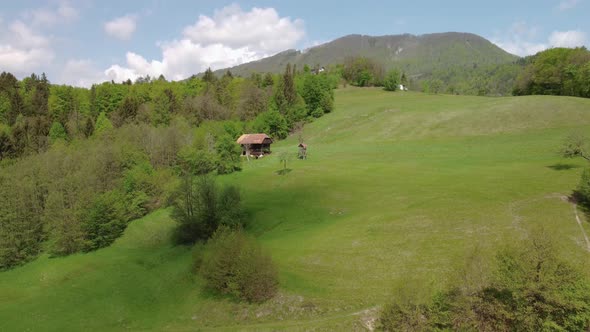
column 418, row 56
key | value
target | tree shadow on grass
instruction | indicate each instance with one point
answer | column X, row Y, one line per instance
column 284, row 171
column 562, row 167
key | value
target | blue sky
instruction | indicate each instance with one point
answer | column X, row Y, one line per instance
column 87, row 41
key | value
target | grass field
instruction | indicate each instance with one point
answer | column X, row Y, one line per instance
column 398, row 189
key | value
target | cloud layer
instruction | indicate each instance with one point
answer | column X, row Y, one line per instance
column 230, row 37
column 568, row 4
column 22, row 50
column 122, row 27
column 522, row 39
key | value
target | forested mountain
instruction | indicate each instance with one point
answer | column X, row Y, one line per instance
column 460, row 60
column 415, row 55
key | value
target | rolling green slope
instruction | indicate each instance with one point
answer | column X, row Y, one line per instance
column 415, row 55
column 398, row 189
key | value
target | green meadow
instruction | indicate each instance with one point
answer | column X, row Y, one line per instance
column 398, row 189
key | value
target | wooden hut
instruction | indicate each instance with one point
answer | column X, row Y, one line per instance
column 255, row 144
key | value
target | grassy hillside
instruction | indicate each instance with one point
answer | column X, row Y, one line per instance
column 398, row 189
column 415, row 55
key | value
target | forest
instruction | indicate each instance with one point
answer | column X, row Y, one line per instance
column 79, row 164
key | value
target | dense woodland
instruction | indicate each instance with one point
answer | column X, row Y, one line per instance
column 79, row 164
column 558, row 71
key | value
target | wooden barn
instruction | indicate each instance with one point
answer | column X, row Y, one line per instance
column 255, row 144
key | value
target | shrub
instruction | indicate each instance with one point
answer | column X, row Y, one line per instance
column 235, row 264
column 532, row 289
column 228, row 155
column 231, row 212
column 200, row 208
column 391, row 81
column 105, row 221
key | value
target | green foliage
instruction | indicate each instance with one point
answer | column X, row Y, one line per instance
column 268, row 80
column 127, row 110
column 21, row 228
column 532, row 289
column 57, row 132
column 209, row 76
column 196, row 161
column 272, row 123
column 318, row 95
column 234, row 264
column 103, row 124
column 105, row 221
column 436, row 86
column 557, row 71
column 228, row 155
column 288, row 85
column 200, row 208
column 165, row 105
column 231, row 211
column 391, row 81
column 254, row 101
column 362, row 71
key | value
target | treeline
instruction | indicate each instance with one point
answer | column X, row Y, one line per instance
column 76, row 165
column 34, row 113
column 488, row 80
column 558, row 71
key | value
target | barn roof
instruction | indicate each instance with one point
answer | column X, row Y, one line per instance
column 252, row 138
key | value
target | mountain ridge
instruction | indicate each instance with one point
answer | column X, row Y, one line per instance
column 416, row 55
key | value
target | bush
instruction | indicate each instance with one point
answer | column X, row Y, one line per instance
column 392, row 81
column 235, row 264
column 200, row 208
column 273, row 123
column 105, row 221
column 532, row 289
column 228, row 155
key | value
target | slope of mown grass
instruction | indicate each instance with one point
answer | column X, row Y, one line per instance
column 397, row 190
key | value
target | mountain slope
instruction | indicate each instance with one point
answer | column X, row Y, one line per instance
column 399, row 188
column 416, row 55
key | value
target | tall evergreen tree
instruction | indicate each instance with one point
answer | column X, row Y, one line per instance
column 289, row 86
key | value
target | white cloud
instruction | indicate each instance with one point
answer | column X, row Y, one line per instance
column 22, row 50
column 21, row 61
column 51, row 16
column 262, row 30
column 82, row 73
column 572, row 38
column 568, row 4
column 121, row 27
column 228, row 38
column 522, row 39
column 24, row 36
